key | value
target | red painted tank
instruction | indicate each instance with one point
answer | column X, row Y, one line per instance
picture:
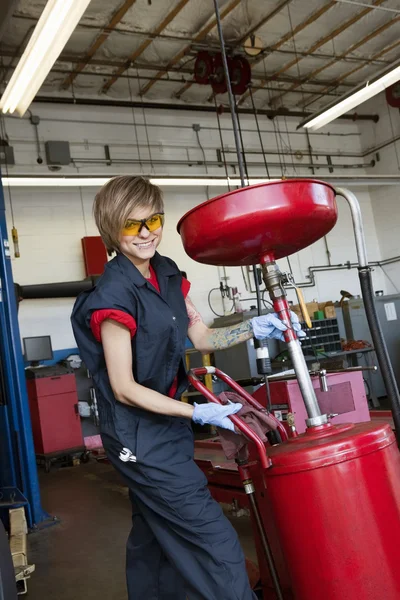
column 276, row 219
column 335, row 495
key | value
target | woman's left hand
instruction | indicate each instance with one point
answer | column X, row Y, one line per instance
column 270, row 326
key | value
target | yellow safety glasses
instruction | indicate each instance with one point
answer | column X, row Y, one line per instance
column 134, row 227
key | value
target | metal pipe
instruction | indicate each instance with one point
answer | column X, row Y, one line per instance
column 304, row 379
column 232, row 105
column 273, row 280
column 365, row 5
column 271, row 114
column 358, row 226
column 364, row 271
column 266, row 547
column 213, row 163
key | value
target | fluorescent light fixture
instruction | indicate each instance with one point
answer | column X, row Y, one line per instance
column 54, row 28
column 99, row 181
column 358, row 95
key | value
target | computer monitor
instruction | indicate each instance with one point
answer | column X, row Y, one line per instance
column 37, row 349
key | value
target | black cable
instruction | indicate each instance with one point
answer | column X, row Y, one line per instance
column 4, row 136
column 134, row 122
column 380, row 346
column 241, row 140
column 368, row 390
column 209, row 302
column 222, row 141
column 145, row 121
column 258, row 130
column 266, row 302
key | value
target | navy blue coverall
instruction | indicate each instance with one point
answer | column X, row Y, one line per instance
column 181, row 545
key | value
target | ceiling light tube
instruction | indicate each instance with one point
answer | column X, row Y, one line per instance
column 357, row 96
column 54, row 28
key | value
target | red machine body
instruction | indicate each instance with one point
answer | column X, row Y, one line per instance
column 275, row 219
column 335, row 498
column 345, row 398
column 330, row 498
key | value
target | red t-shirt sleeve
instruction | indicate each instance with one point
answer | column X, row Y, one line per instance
column 185, row 287
column 116, row 315
column 122, row 317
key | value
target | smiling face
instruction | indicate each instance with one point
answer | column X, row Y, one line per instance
column 140, row 248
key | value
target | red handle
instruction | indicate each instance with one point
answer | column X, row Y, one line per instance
column 237, row 421
column 235, row 386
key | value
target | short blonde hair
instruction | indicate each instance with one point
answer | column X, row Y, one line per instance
column 117, row 199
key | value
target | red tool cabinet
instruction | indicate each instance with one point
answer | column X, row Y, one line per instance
column 53, row 402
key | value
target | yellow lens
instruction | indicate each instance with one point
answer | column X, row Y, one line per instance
column 131, row 228
column 154, row 222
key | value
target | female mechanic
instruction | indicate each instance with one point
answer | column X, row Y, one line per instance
column 131, row 331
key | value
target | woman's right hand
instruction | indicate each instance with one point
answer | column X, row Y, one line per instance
column 215, row 414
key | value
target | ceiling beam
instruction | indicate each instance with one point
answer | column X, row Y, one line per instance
column 339, row 80
column 144, row 45
column 250, row 32
column 327, row 38
column 60, row 71
column 263, row 22
column 187, row 38
column 204, row 31
column 308, row 21
column 352, row 48
column 65, row 58
column 115, row 19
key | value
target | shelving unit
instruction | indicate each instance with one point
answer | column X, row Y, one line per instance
column 324, row 337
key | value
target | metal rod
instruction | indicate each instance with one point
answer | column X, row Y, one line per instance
column 365, row 5
column 239, row 151
column 304, row 379
column 364, row 272
column 259, row 132
column 266, row 547
column 358, row 225
column 230, row 95
column 271, row 114
column 274, row 283
column 221, row 140
column 246, row 170
column 211, row 163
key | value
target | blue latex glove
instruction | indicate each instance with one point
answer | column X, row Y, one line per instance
column 270, row 326
column 216, row 414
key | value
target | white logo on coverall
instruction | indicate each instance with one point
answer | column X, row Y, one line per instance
column 127, row 456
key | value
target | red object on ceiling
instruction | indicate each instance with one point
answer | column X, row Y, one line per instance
column 94, row 254
column 393, row 95
column 209, row 69
column 203, row 67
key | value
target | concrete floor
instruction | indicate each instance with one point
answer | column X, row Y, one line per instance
column 83, row 557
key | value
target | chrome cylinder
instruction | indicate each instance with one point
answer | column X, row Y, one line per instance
column 305, row 383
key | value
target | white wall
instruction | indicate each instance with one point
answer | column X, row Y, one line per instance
column 51, row 222
column 385, row 200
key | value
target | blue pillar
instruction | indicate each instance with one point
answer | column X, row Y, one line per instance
column 18, row 464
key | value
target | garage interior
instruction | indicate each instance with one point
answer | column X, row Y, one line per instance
column 266, row 110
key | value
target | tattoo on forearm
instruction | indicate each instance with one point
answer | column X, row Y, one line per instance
column 225, row 337
column 193, row 313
